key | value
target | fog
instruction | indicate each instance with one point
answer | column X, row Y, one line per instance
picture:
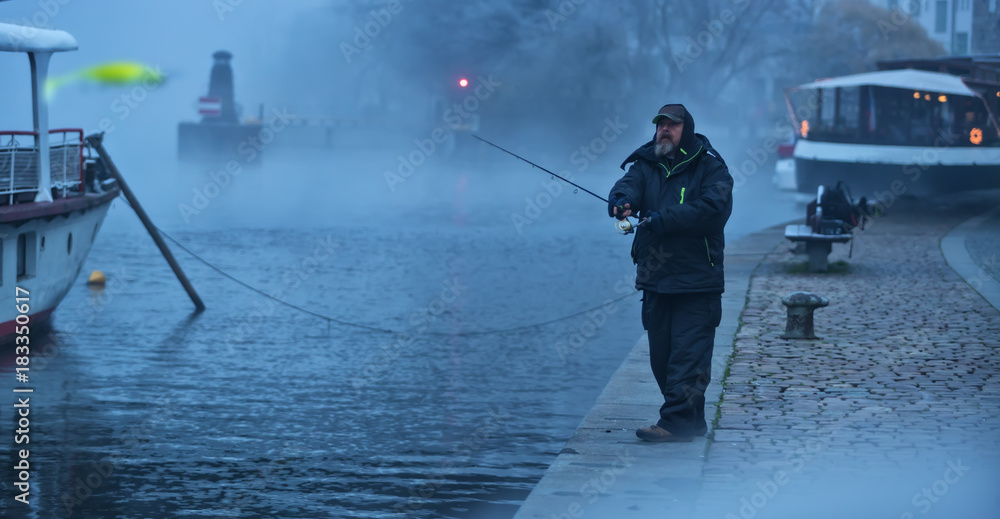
column 557, row 87
column 381, row 137
column 177, row 39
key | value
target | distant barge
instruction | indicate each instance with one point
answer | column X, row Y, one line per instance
column 220, row 136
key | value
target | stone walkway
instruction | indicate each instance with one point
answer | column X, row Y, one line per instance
column 900, row 392
column 893, row 413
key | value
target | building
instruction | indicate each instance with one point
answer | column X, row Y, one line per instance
column 962, row 27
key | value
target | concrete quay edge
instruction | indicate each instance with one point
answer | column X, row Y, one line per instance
column 957, row 255
column 604, row 468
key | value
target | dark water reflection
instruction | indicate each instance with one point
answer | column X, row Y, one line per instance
column 253, row 409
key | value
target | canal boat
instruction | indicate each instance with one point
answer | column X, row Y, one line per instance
column 898, row 131
column 52, row 198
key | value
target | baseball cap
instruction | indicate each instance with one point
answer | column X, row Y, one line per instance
column 675, row 113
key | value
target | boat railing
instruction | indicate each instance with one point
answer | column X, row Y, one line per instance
column 19, row 164
column 66, row 161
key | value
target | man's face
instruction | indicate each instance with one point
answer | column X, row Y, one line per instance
column 667, row 130
column 668, row 136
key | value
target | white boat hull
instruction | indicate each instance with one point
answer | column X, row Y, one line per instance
column 891, row 171
column 43, row 255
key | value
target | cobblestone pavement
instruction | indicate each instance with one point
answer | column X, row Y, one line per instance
column 895, row 411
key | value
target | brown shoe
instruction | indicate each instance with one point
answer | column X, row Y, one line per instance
column 655, row 433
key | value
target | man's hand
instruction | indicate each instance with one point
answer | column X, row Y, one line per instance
column 654, row 222
column 619, row 209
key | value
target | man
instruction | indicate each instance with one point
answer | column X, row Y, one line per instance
column 681, row 190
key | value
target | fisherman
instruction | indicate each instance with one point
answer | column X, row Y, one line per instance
column 681, row 190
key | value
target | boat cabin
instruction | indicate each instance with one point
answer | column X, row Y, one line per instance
column 929, row 130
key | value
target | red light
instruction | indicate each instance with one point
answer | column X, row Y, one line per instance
column 463, row 82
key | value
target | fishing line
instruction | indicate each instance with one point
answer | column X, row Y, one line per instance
column 624, row 225
column 578, row 186
column 375, row 328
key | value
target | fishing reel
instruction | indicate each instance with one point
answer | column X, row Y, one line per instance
column 625, row 226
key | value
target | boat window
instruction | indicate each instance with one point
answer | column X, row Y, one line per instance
column 926, row 119
column 69, row 244
column 895, row 117
column 847, row 115
column 804, row 105
column 957, row 121
column 26, row 255
column 827, row 111
column 21, row 251
column 839, row 115
column 888, row 116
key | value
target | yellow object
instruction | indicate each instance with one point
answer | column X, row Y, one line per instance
column 96, row 278
column 120, row 73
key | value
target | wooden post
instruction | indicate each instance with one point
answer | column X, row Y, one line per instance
column 95, row 141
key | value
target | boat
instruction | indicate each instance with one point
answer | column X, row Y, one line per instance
column 54, row 196
column 900, row 130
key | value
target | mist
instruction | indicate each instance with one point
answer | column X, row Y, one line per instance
column 556, row 86
column 431, row 281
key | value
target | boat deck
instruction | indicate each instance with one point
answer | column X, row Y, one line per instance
column 32, row 210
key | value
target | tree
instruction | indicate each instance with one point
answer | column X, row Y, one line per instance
column 699, row 48
column 850, row 36
column 588, row 60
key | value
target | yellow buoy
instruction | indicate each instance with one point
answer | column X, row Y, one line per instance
column 96, row 278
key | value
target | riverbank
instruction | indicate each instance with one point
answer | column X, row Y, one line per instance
column 893, row 411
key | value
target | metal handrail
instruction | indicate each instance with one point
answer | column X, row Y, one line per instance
column 79, row 132
column 13, row 147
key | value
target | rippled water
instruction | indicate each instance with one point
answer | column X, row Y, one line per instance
column 250, row 409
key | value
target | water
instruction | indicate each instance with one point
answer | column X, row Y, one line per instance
column 255, row 409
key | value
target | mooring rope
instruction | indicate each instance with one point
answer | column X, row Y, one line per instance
column 375, row 328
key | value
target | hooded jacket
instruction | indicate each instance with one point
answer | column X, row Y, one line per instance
column 693, row 194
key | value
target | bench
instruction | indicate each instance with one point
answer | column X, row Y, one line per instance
column 818, row 246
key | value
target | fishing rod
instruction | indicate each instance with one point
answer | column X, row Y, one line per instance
column 624, row 226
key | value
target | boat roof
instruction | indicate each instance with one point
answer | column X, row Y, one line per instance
column 21, row 38
column 908, row 79
column 981, row 68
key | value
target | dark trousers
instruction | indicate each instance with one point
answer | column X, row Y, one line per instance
column 681, row 330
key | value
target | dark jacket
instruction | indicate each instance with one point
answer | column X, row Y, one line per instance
column 694, row 197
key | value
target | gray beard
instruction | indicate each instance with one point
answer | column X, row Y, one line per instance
column 663, row 149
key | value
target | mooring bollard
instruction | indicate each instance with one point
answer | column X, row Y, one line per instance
column 800, row 314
